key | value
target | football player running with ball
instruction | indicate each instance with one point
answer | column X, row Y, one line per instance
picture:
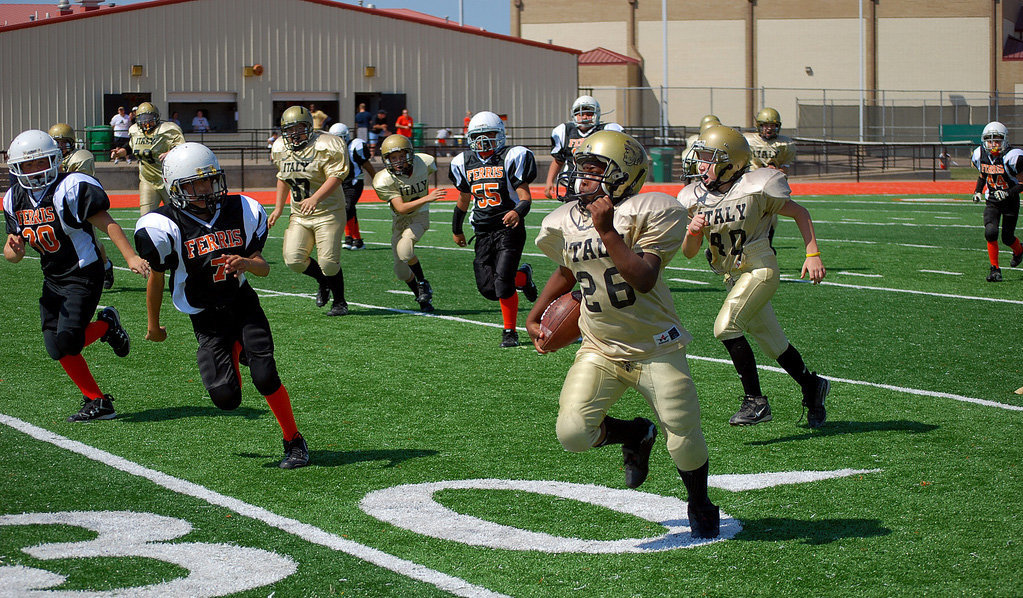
column 735, row 210
column 404, row 184
column 615, row 242
column 208, row 240
column 495, row 179
column 151, row 139
column 311, row 166
column 56, row 213
column 999, row 167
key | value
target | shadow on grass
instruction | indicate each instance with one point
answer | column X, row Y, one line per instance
column 339, row 458
column 169, row 413
column 836, row 428
column 818, row 531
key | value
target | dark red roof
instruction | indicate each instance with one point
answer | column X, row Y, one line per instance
column 400, row 14
column 15, row 14
column 604, row 56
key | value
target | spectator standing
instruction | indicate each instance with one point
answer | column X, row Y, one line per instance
column 320, row 117
column 175, row 118
column 199, row 122
column 378, row 131
column 121, row 122
column 404, row 124
column 363, row 121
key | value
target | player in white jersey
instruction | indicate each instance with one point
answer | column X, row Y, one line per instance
column 615, row 242
column 566, row 137
column 735, row 210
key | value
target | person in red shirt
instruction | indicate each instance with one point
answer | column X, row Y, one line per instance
column 404, row 124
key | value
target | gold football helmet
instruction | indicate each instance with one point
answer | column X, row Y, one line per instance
column 396, row 152
column 64, row 135
column 622, row 164
column 296, row 127
column 147, row 117
column 724, row 149
column 708, row 121
column 768, row 123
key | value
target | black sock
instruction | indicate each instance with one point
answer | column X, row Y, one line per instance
column 417, row 271
column 792, row 362
column 620, row 431
column 337, row 286
column 313, row 270
column 413, row 285
column 745, row 364
column 695, row 482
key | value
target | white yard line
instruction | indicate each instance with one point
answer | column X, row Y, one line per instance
column 787, row 278
column 687, row 280
column 941, row 272
column 309, row 533
column 860, row 274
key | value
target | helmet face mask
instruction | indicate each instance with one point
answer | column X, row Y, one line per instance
column 296, row 127
column 608, row 163
column 485, row 134
column 768, row 123
column 192, row 174
column 34, row 159
column 995, row 138
column 147, row 117
column 396, row 152
column 718, row 157
column 64, row 135
column 586, row 112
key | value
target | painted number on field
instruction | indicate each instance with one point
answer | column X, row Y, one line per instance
column 213, row 569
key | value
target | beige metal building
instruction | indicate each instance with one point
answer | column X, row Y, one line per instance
column 731, row 57
column 244, row 61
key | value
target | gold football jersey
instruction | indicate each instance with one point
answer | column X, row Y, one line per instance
column 615, row 319
column 414, row 186
column 79, row 161
column 779, row 152
column 305, row 170
column 148, row 148
column 739, row 222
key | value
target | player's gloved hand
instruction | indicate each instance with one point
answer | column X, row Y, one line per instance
column 1001, row 195
column 978, row 197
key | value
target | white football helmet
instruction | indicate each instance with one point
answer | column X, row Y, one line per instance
column 480, row 127
column 995, row 138
column 585, row 105
column 33, row 145
column 185, row 168
column 341, row 130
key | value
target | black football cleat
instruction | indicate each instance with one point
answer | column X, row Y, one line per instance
column 752, row 411
column 93, row 409
column 347, row 244
column 1016, row 260
column 108, row 275
column 296, row 453
column 509, row 338
column 116, row 336
column 358, row 244
column 636, row 455
column 338, row 308
column 704, row 520
column 995, row 275
column 424, row 294
column 529, row 289
column 813, row 400
column 323, row 294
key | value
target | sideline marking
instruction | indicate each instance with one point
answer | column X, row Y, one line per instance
column 309, row 533
column 907, row 390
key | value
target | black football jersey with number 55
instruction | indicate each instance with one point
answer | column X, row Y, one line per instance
column 492, row 183
column 194, row 251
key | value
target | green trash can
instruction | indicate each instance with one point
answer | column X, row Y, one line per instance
column 100, row 140
column 417, row 134
column 662, row 158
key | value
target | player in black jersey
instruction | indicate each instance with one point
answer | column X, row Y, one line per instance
column 56, row 213
column 208, row 240
column 585, row 121
column 999, row 167
column 496, row 179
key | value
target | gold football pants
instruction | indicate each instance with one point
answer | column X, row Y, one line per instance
column 325, row 232
column 151, row 196
column 594, row 383
column 748, row 308
column 406, row 230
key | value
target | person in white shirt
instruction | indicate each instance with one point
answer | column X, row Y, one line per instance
column 199, row 123
column 121, row 122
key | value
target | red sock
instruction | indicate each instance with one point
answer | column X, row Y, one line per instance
column 520, row 279
column 79, row 373
column 992, row 253
column 280, row 404
column 236, row 352
column 348, row 228
column 509, row 311
column 94, row 331
column 1017, row 247
column 356, row 234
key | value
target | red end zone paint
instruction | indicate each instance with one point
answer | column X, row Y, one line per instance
column 131, row 200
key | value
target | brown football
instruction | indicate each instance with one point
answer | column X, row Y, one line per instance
column 560, row 322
